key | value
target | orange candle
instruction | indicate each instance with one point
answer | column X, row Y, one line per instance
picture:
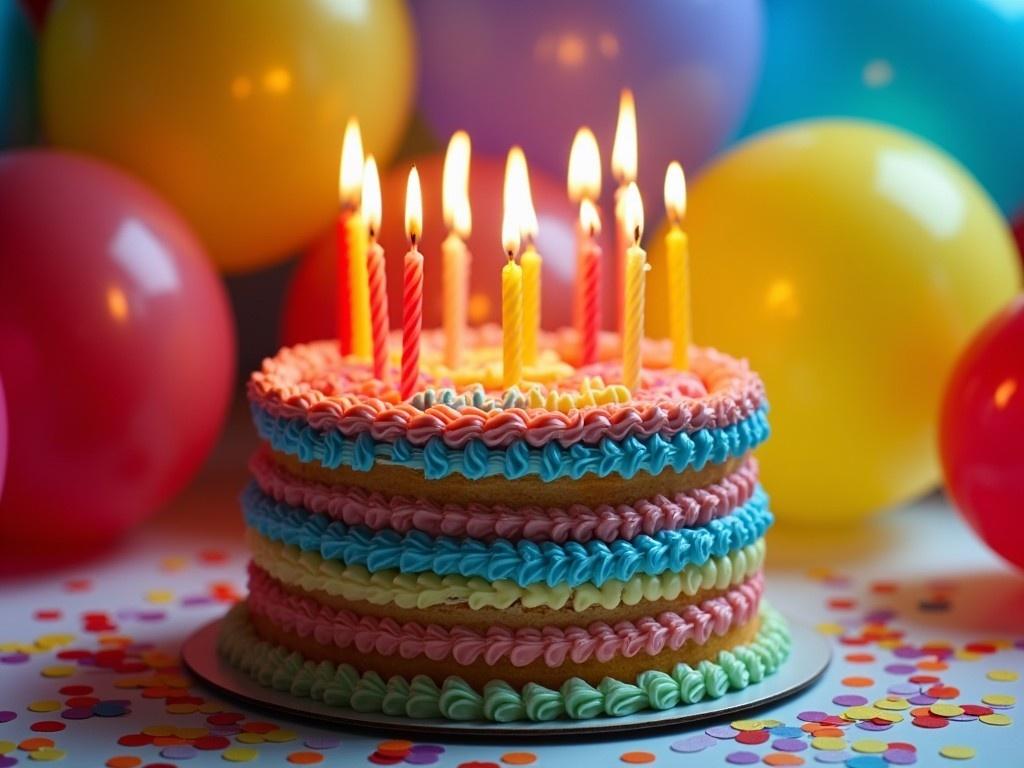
column 412, row 288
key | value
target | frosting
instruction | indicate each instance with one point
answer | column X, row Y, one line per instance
column 310, row 572
column 357, row 506
column 475, row 459
column 313, row 384
column 599, row 641
column 524, row 562
column 420, row 698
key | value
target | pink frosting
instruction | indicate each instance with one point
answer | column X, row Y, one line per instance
column 312, row 382
column 357, row 506
column 599, row 641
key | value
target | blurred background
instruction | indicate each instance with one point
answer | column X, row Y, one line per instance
column 169, row 193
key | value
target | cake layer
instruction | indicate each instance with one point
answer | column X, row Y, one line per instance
column 418, row 696
column 404, row 501
column 312, row 384
column 310, row 572
column 524, row 562
column 545, row 654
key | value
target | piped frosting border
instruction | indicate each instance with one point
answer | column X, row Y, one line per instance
column 342, row 686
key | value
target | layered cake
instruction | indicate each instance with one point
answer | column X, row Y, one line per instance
column 567, row 548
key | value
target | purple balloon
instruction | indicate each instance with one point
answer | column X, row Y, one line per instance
column 532, row 72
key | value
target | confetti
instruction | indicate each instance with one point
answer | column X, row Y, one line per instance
column 866, row 761
column 946, row 710
column 58, row 670
column 305, row 758
column 869, row 746
column 1002, row 675
column 752, row 737
column 849, row 700
column 44, row 706
column 47, row 754
column 996, row 719
column 828, row 743
column 696, row 743
column 239, row 754
column 741, row 758
column 857, row 682
column 721, row 732
column 124, row 761
column 897, row 756
column 637, row 758
column 782, row 758
column 322, row 742
column 999, row 699
column 956, row 752
column 280, row 736
column 789, row 745
column 519, row 758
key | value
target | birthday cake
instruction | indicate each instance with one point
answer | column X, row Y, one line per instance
column 564, row 548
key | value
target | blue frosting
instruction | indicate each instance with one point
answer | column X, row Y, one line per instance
column 524, row 562
column 475, row 460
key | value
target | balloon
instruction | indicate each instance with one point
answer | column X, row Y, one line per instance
column 17, row 76
column 311, row 301
column 1018, row 234
column 980, row 433
column 235, row 110
column 952, row 72
column 116, row 346
column 532, row 77
column 850, row 262
column 3, row 437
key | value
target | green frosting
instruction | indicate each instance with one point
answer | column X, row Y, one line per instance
column 342, row 686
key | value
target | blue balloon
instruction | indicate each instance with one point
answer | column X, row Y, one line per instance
column 17, row 76
column 950, row 71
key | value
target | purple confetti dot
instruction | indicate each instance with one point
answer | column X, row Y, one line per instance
column 833, row 757
column 921, row 700
column 7, row 762
column 900, row 756
column 330, row 742
column 850, row 700
column 225, row 730
column 196, row 600
column 14, row 658
column 907, row 652
column 77, row 713
column 904, row 689
column 964, row 718
column 741, row 758
column 812, row 716
column 900, row 669
column 880, row 616
column 179, row 752
column 1019, row 644
column 867, row 725
column 152, row 615
column 6, row 715
column 696, row 743
column 721, row 732
column 422, row 758
column 435, row 748
column 789, row 745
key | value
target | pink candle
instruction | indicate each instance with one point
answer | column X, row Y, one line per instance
column 376, row 277
column 412, row 288
column 590, row 282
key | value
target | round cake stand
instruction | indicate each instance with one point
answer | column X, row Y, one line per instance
column 807, row 662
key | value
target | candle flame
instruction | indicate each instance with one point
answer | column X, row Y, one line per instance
column 350, row 175
column 512, row 213
column 590, row 219
column 634, row 212
column 624, row 147
column 675, row 191
column 413, row 207
column 584, row 167
column 371, row 204
column 455, row 185
column 517, row 184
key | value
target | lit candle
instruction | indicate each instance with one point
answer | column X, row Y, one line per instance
column 511, row 286
column 349, row 180
column 636, row 268
column 455, row 255
column 590, row 281
column 677, row 260
column 530, row 261
column 584, row 184
column 412, row 287
column 371, row 208
column 624, row 161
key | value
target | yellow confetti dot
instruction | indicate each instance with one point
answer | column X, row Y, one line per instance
column 181, row 709
column 893, row 704
column 44, row 706
column 173, row 563
column 946, row 710
column 57, row 670
column 280, row 736
column 861, row 713
column 7, row 746
column 47, row 754
column 250, row 738
column 1002, row 675
column 999, row 699
column 890, row 717
column 192, row 733
column 828, row 743
column 211, row 708
column 869, row 746
column 159, row 730
column 962, row 655
column 748, row 725
column 771, row 723
column 955, row 752
column 997, row 718
column 829, row 628
column 159, row 596
column 173, row 681
column 889, row 645
column 239, row 754
column 54, row 641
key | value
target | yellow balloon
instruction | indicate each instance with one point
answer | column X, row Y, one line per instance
column 233, row 109
column 850, row 262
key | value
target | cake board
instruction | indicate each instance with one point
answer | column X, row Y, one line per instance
column 809, row 658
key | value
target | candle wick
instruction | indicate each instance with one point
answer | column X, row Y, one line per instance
column 413, row 239
column 636, row 235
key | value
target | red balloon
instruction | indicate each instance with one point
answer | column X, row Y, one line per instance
column 980, row 434
column 3, row 437
column 116, row 346
column 311, row 300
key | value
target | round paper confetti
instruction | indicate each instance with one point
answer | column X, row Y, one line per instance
column 637, row 758
column 279, row 736
column 895, row 756
column 869, row 746
column 6, row 715
column 809, row 716
column 58, row 670
column 786, row 732
column 828, row 743
column 866, row 761
column 124, row 761
column 44, row 706
column 752, row 737
column 240, row 754
column 47, row 754
column 849, row 700
column 741, row 758
column 696, row 743
column 322, row 742
column 999, row 699
column 946, row 710
column 1002, row 675
column 955, row 752
column 179, row 752
column 721, row 732
column 252, row 738
column 997, row 718
column 929, row 721
column 900, row 669
column 782, row 758
column 519, row 758
column 857, row 682
column 30, row 745
column 7, row 762
column 789, row 745
column 305, row 758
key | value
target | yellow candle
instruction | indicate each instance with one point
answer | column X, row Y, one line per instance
column 359, row 285
column 531, row 264
column 677, row 260
column 455, row 255
column 635, row 279
column 511, row 283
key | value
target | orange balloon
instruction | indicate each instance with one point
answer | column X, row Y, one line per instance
column 234, row 110
column 311, row 301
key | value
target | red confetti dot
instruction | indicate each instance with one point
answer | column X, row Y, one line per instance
column 854, row 640
column 860, row 658
column 78, row 585
column 980, row 648
column 51, row 614
column 752, row 737
column 130, row 668
column 976, row 709
column 82, row 701
column 210, row 742
column 884, row 587
column 842, row 603
column 923, row 679
column 930, row 721
column 834, row 720
column 213, row 556
column 47, row 726
column 257, row 727
column 76, row 690
column 478, row 764
column 225, row 718
column 380, row 759
column 902, row 745
column 942, row 692
column 135, row 740
column 74, row 655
